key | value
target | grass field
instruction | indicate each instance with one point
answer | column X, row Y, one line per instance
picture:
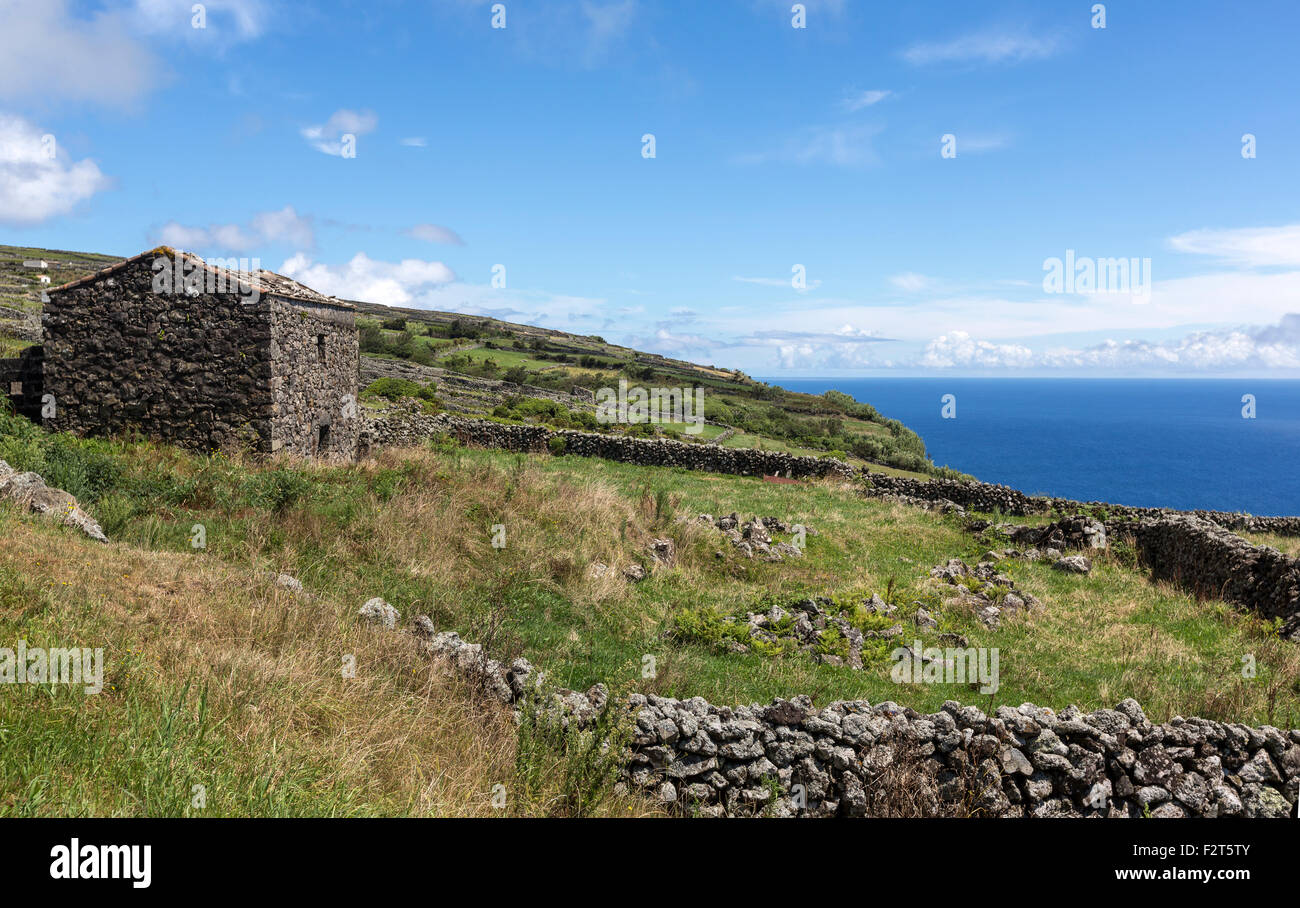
column 1289, row 545
column 415, row 528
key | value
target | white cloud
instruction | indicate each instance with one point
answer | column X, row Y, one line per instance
column 861, row 99
column 415, row 142
column 1250, row 247
column 370, row 280
column 46, row 54
column 432, row 233
column 328, row 137
column 1270, row 347
column 266, row 228
column 911, row 282
column 420, row 284
column 35, row 186
column 957, row 349
column 984, row 47
column 667, row 343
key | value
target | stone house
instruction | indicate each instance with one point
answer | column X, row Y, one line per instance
column 203, row 356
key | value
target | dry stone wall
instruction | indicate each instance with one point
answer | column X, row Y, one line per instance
column 1212, row 561
column 990, row 497
column 405, row 426
column 853, row 759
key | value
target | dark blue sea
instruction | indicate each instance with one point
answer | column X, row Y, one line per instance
column 1168, row 443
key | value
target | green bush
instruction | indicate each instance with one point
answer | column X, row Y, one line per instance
column 84, row 468
column 276, row 490
column 398, row 388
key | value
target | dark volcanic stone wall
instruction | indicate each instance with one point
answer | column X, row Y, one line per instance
column 1214, row 562
column 22, row 381
column 989, row 497
column 315, row 357
column 401, row 426
column 192, row 370
column 854, row 759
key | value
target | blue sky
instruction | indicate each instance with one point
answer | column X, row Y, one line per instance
column 777, row 151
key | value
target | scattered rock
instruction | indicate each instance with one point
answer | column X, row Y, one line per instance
column 1073, row 564
column 377, row 611
column 663, row 551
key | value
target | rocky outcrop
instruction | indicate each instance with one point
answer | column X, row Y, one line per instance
column 754, row 538
column 30, row 491
column 982, row 590
column 1077, row 532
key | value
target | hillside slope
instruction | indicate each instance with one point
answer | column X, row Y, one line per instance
column 521, row 373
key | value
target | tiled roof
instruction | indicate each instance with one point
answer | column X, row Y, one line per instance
column 261, row 281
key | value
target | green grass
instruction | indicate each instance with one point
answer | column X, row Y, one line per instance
column 1289, row 545
column 415, row 527
column 505, row 359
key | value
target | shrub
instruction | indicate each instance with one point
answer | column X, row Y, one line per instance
column 398, row 388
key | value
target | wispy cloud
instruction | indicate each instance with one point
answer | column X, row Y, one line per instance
column 838, row 146
column 1249, row 247
column 858, row 100
column 983, row 47
column 979, row 144
column 433, row 233
column 266, row 228
column 415, row 142
column 785, row 283
column 911, row 282
column 222, row 20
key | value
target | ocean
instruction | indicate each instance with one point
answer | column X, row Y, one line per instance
column 1164, row 443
